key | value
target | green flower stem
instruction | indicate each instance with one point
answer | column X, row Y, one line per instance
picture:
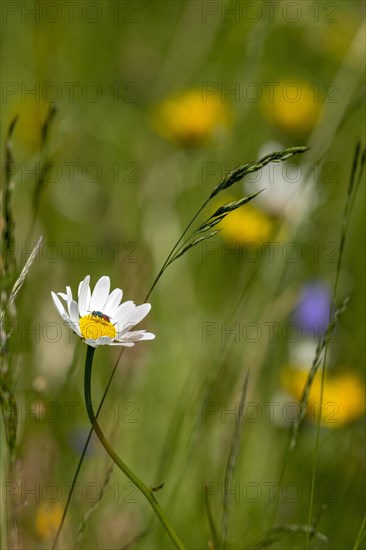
column 146, row 491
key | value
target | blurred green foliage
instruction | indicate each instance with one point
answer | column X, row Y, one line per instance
column 117, row 193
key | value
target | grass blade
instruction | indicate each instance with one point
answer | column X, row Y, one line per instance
column 20, row 281
column 277, row 533
column 239, row 173
column 360, row 535
column 42, row 175
column 87, row 516
column 190, row 245
column 231, row 206
column 208, row 225
column 9, row 223
column 314, row 369
column 231, row 463
column 213, row 530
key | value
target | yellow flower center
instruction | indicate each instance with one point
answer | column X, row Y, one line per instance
column 93, row 327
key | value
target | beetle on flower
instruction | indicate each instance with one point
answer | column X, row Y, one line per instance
column 99, row 317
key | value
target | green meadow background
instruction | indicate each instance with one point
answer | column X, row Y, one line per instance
column 119, row 187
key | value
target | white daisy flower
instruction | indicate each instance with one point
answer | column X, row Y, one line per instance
column 99, row 317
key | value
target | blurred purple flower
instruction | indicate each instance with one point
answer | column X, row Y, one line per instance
column 77, row 437
column 313, row 308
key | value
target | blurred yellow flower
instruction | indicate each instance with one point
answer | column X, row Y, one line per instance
column 343, row 396
column 189, row 118
column 48, row 519
column 293, row 106
column 246, row 225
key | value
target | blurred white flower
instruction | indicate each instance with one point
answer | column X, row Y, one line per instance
column 99, row 317
column 287, row 191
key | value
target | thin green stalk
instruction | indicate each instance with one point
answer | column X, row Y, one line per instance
column 42, row 176
column 355, row 178
column 146, row 491
column 231, row 463
column 3, row 477
column 360, row 535
column 213, row 530
column 316, row 449
column 165, row 264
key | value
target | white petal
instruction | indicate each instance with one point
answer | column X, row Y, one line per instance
column 67, row 298
column 74, row 326
column 69, row 294
column 77, row 330
column 127, row 344
column 92, row 343
column 80, row 286
column 100, row 294
column 114, row 299
column 74, row 311
column 122, row 311
column 84, row 296
column 102, row 341
column 136, row 335
column 60, row 308
column 134, row 317
column 148, row 336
